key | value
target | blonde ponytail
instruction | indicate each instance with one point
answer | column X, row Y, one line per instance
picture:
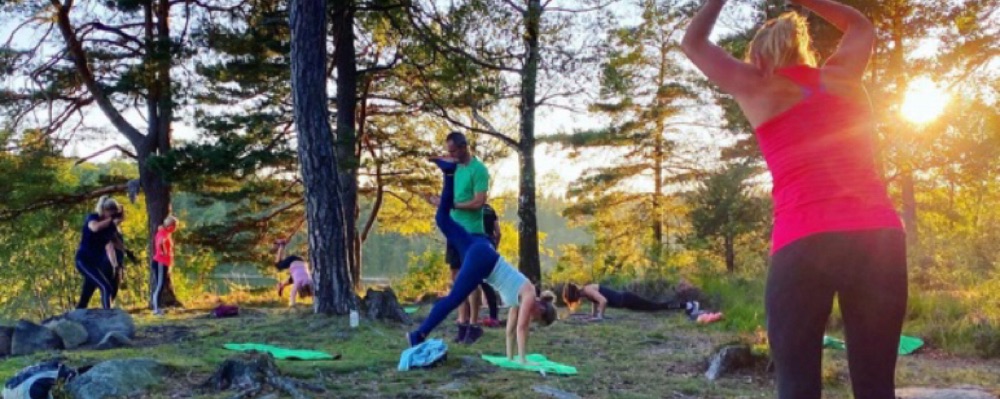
column 781, row 42
column 105, row 203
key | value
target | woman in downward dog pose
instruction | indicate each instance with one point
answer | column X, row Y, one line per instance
column 835, row 229
column 481, row 262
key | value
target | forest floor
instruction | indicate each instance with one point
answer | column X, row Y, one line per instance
column 630, row 355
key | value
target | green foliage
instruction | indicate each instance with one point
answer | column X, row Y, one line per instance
column 427, row 273
column 725, row 208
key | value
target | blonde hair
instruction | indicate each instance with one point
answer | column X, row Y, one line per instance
column 106, row 203
column 782, row 41
column 169, row 221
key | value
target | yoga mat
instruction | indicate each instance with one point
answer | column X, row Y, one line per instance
column 544, row 365
column 907, row 345
column 282, row 353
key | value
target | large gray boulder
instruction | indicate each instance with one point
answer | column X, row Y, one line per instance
column 944, row 393
column 100, row 322
column 29, row 338
column 73, row 334
column 6, row 335
column 116, row 379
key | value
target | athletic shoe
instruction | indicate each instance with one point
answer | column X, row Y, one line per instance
column 463, row 331
column 475, row 332
column 692, row 309
column 414, row 338
column 158, row 312
column 492, row 323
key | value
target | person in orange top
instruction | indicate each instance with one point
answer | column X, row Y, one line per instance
column 164, row 257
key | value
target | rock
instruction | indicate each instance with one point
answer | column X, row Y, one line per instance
column 728, row 359
column 113, row 340
column 6, row 335
column 383, row 305
column 117, row 378
column 29, row 338
column 551, row 392
column 72, row 333
column 945, row 393
column 472, row 367
column 100, row 322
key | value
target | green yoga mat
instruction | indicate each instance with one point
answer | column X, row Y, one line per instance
column 544, row 365
column 282, row 353
column 907, row 345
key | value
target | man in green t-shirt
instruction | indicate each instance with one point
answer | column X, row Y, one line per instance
column 472, row 181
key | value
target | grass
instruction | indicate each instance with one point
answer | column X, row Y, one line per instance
column 632, row 355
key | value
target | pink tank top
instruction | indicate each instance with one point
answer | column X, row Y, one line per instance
column 300, row 275
column 821, row 154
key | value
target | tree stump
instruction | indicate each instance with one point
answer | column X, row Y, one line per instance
column 249, row 374
column 383, row 305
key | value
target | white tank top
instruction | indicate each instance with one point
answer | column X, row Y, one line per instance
column 507, row 281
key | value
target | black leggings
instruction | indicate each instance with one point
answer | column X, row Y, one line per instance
column 866, row 270
column 97, row 274
column 491, row 300
column 630, row 301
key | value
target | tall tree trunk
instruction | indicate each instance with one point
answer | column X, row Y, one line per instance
column 327, row 229
column 658, row 156
column 346, row 63
column 158, row 135
column 909, row 209
column 730, row 253
column 907, row 164
column 530, row 261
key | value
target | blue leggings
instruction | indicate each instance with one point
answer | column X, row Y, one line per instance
column 478, row 257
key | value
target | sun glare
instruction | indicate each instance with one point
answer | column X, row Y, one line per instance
column 924, row 101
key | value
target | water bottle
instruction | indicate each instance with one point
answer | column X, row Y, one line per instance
column 354, row 318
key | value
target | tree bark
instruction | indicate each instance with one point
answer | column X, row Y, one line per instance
column 345, row 61
column 730, row 253
column 530, row 262
column 160, row 113
column 897, row 64
column 327, row 229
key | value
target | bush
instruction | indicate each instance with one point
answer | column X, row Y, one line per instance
column 427, row 273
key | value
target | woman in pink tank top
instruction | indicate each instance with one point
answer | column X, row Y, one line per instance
column 836, row 232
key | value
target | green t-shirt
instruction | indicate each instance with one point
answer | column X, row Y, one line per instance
column 469, row 180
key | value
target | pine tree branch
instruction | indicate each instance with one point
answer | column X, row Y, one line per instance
column 69, row 199
column 106, row 149
column 80, row 61
column 578, row 10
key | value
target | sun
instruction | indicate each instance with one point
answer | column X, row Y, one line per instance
column 924, row 101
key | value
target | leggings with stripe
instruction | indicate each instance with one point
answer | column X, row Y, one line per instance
column 97, row 274
column 478, row 259
column 159, row 274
